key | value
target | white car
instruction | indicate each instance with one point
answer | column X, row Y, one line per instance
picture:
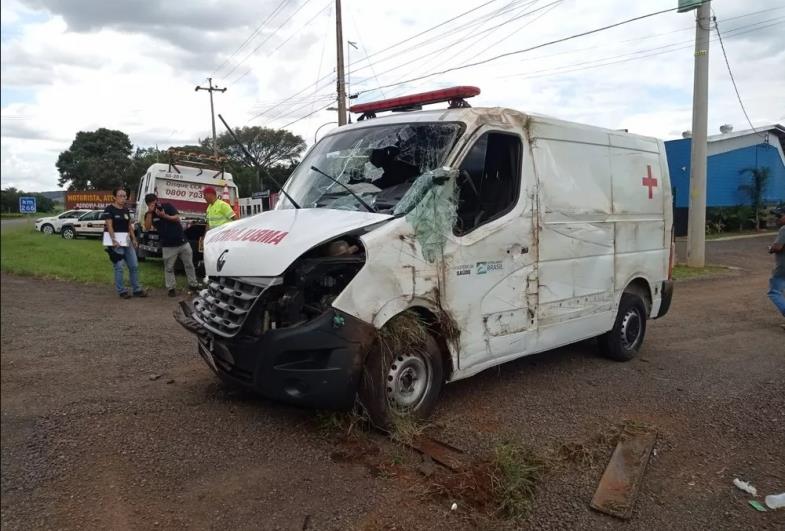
column 89, row 224
column 52, row 225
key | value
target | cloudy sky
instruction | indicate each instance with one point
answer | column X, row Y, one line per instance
column 77, row 65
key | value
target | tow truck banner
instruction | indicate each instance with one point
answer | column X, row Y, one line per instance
column 88, row 199
column 184, row 196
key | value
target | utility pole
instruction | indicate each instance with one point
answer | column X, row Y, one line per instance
column 696, row 227
column 339, row 69
column 351, row 44
column 210, row 88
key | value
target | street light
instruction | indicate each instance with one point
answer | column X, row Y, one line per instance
column 320, row 128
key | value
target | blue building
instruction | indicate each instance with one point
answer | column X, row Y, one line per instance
column 730, row 153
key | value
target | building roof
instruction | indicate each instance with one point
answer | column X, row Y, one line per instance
column 777, row 129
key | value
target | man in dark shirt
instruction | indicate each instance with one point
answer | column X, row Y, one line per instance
column 166, row 220
column 120, row 229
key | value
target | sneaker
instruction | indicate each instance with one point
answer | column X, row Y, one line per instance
column 125, row 295
column 173, row 292
column 194, row 288
column 142, row 293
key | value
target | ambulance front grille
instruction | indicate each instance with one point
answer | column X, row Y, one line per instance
column 223, row 306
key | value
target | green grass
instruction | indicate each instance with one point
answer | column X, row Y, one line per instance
column 682, row 272
column 23, row 251
column 515, row 474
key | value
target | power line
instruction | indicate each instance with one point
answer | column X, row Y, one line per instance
column 632, row 56
column 538, row 46
column 251, row 36
column 408, row 39
column 730, row 73
column 318, row 13
column 460, row 40
column 267, row 38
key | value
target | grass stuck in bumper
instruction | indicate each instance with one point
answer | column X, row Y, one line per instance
column 25, row 251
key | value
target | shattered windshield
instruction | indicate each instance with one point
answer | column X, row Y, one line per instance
column 379, row 164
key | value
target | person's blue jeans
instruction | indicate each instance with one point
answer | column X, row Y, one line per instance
column 777, row 293
column 129, row 259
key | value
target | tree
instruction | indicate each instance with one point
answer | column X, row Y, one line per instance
column 276, row 150
column 97, row 160
column 756, row 189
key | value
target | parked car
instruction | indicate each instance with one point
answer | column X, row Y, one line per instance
column 53, row 224
column 88, row 224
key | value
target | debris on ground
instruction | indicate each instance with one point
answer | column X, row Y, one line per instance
column 154, row 377
column 757, row 505
column 454, row 507
column 746, row 487
column 619, row 485
column 775, row 501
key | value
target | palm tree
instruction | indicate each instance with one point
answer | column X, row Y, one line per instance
column 756, row 189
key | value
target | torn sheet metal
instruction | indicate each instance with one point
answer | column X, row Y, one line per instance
column 622, row 479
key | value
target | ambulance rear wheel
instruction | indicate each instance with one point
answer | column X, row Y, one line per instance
column 624, row 340
column 401, row 384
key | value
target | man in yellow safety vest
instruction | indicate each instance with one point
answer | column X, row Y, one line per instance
column 218, row 211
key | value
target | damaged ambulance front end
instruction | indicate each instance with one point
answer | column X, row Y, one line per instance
column 279, row 314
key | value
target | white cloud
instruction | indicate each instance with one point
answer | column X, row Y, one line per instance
column 71, row 66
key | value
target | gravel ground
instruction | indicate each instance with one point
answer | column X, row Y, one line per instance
column 109, row 420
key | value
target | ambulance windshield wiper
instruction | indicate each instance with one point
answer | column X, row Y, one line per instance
column 255, row 163
column 368, row 207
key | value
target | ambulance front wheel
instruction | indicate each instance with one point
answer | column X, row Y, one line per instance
column 401, row 384
column 624, row 340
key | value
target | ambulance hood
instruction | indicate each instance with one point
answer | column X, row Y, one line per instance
column 265, row 245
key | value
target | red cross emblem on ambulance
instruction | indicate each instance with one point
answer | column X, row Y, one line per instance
column 649, row 181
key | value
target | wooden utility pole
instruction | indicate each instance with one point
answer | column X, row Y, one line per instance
column 210, row 88
column 339, row 70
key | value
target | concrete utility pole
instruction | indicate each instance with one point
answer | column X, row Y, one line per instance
column 339, row 70
column 351, row 44
column 696, row 228
column 210, row 88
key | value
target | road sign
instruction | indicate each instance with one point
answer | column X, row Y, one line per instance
column 689, row 5
column 260, row 195
column 27, row 205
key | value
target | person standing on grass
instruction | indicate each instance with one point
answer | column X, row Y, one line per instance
column 166, row 220
column 218, row 211
column 120, row 227
column 777, row 281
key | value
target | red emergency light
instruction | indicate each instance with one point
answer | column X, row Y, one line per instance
column 454, row 95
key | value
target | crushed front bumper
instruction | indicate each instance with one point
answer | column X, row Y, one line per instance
column 316, row 364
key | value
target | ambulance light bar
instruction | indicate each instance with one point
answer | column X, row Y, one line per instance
column 454, row 95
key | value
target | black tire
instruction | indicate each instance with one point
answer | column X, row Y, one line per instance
column 388, row 376
column 624, row 340
column 48, row 229
column 141, row 255
column 68, row 233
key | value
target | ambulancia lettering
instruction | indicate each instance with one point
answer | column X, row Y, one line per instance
column 272, row 237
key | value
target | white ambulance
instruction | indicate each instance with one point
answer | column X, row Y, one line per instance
column 180, row 182
column 422, row 247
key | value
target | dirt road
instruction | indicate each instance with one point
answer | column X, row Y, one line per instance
column 109, row 420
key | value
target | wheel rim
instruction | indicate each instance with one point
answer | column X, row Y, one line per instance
column 408, row 381
column 631, row 329
column 48, row 230
column 68, row 234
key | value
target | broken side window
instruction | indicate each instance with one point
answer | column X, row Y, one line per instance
column 489, row 180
